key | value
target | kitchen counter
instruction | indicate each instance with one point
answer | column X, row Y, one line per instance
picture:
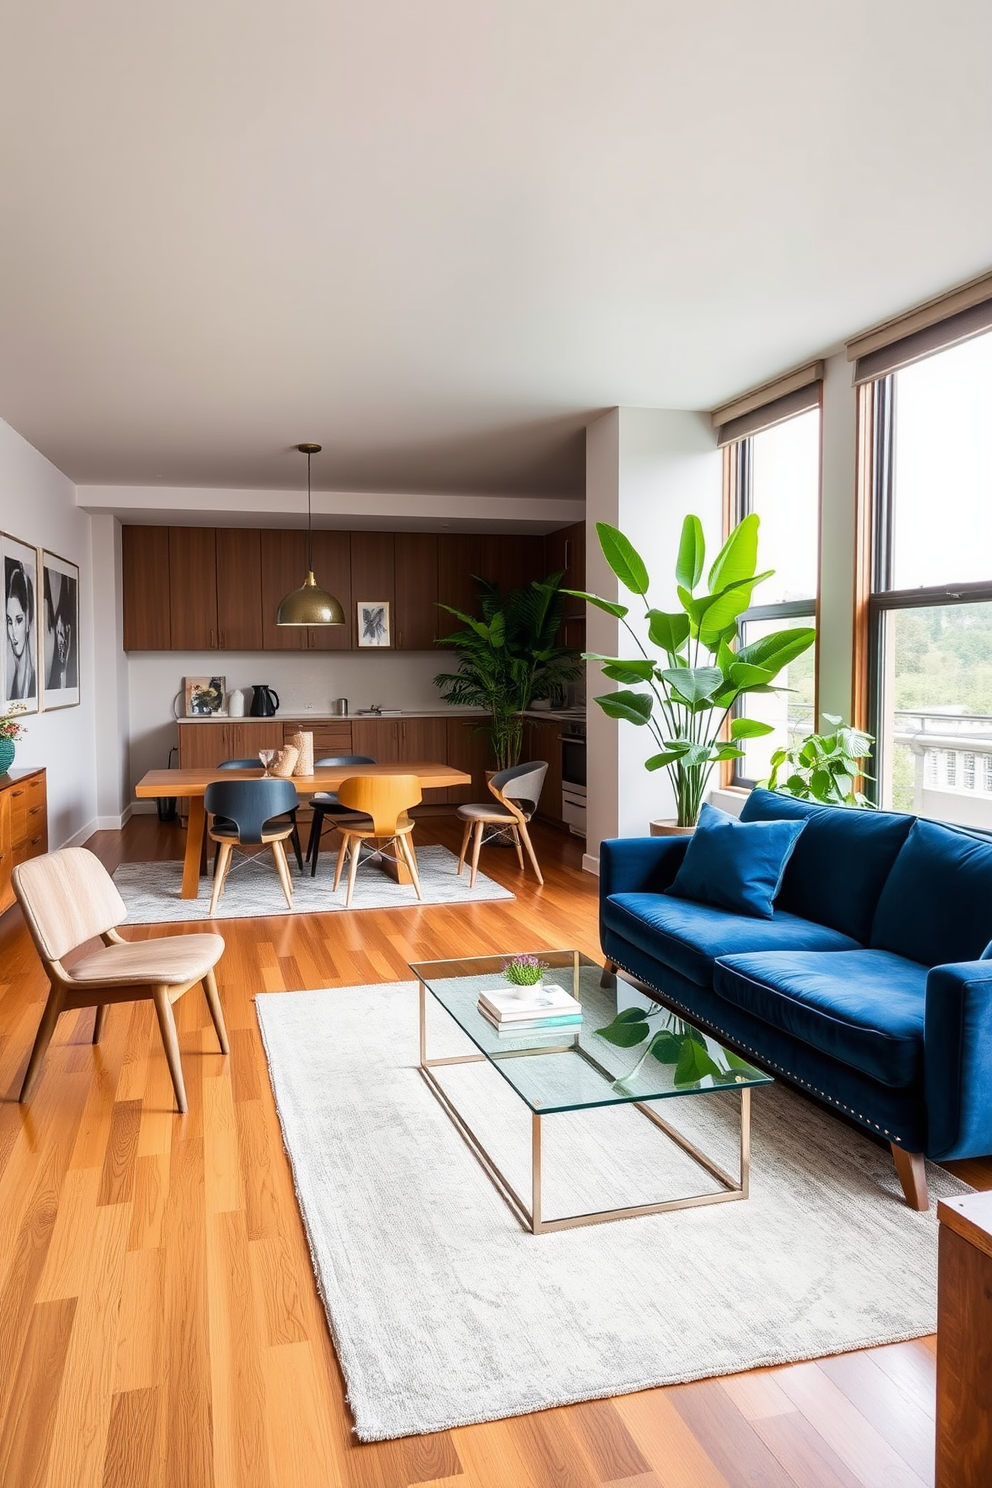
column 304, row 715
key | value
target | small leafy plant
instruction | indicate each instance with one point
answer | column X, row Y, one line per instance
column 678, row 1043
column 10, row 726
column 524, row 971
column 824, row 767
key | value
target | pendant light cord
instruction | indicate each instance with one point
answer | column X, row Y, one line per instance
column 309, row 522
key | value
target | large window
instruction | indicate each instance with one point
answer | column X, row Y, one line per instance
column 931, row 606
column 776, row 473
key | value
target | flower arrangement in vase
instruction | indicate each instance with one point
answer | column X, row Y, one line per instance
column 11, row 730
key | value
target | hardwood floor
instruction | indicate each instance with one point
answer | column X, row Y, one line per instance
column 159, row 1323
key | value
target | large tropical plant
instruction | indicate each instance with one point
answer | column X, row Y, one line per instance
column 508, row 657
column 686, row 696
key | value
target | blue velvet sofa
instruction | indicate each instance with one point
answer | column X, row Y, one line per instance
column 870, row 987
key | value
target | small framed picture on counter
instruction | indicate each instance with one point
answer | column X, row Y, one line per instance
column 204, row 696
column 373, row 623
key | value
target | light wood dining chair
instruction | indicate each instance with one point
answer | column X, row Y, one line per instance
column 517, row 792
column 326, row 804
column 385, row 799
column 250, row 813
column 68, row 898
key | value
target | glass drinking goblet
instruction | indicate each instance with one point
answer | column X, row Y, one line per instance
column 266, row 756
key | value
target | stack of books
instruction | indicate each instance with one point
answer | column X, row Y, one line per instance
column 530, row 1009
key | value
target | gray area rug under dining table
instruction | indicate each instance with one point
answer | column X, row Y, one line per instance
column 445, row 1311
column 151, row 890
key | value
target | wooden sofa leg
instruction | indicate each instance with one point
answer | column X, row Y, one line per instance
column 609, row 972
column 913, row 1176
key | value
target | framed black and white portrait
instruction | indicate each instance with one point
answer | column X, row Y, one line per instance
column 60, row 620
column 373, row 622
column 20, row 644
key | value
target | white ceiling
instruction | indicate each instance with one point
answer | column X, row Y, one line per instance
column 439, row 235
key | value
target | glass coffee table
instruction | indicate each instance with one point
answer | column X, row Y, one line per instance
column 647, row 1057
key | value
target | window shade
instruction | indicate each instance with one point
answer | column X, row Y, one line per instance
column 798, row 392
column 932, row 327
column 913, row 348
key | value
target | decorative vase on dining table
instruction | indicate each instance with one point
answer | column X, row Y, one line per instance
column 7, row 750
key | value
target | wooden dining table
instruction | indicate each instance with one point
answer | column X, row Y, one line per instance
column 193, row 783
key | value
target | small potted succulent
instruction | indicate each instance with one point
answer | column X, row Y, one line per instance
column 524, row 971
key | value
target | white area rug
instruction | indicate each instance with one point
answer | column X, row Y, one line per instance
column 151, row 890
column 445, row 1311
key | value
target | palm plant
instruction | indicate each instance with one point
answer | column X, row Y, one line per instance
column 508, row 657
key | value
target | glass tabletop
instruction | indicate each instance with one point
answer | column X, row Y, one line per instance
column 627, row 1047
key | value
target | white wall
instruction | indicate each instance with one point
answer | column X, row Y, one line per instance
column 38, row 505
column 305, row 681
column 646, row 468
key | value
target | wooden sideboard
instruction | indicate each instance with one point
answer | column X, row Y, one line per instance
column 23, row 824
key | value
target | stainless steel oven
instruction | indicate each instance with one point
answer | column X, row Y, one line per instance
column 573, row 775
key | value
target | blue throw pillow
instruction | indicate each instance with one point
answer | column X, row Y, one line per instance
column 735, row 865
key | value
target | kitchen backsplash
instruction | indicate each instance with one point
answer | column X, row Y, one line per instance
column 394, row 679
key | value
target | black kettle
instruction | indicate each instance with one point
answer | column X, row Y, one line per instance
column 264, row 702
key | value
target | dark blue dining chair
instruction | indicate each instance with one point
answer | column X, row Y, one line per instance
column 294, row 836
column 250, row 813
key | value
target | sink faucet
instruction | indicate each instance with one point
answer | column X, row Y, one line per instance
column 375, row 708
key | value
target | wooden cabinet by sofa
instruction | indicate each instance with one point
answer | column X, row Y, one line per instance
column 23, row 824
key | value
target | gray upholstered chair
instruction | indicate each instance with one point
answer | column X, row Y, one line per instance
column 68, row 898
column 517, row 792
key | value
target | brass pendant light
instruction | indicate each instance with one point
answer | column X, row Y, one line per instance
column 309, row 605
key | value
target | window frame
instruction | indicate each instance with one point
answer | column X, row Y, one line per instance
column 739, row 479
column 883, row 599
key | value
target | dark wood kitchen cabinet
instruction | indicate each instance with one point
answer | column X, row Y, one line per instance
column 239, row 589
column 204, row 588
column 417, row 621
column 565, row 552
column 373, row 576
column 332, row 569
column 193, row 588
column 145, row 588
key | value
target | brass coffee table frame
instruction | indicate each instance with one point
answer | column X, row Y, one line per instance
column 733, row 1188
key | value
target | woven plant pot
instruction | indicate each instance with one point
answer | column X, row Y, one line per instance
column 6, row 755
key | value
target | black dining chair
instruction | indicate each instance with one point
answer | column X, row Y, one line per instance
column 326, row 804
column 250, row 813
column 294, row 836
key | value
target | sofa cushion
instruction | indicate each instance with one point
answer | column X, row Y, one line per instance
column 936, row 906
column 840, row 863
column 864, row 1008
column 735, row 865
column 689, row 936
